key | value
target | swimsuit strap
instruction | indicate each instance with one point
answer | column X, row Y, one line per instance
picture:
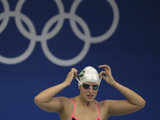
column 98, row 109
column 73, row 117
column 73, row 107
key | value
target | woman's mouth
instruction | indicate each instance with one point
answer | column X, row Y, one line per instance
column 90, row 96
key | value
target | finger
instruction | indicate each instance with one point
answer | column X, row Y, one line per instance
column 102, row 77
column 74, row 70
column 102, row 73
column 105, row 67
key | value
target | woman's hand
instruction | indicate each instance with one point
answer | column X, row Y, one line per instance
column 71, row 75
column 106, row 74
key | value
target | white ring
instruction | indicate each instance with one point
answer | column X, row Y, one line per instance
column 22, row 57
column 106, row 35
column 4, row 16
column 76, row 59
column 31, row 34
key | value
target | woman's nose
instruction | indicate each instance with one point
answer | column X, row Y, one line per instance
column 91, row 89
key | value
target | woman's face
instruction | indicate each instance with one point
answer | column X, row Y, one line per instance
column 89, row 90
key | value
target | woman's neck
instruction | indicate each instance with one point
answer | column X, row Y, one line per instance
column 83, row 102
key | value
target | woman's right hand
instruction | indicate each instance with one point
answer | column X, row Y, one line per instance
column 70, row 76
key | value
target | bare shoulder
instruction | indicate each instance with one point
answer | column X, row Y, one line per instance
column 62, row 99
column 104, row 103
column 66, row 100
column 67, row 108
column 104, row 108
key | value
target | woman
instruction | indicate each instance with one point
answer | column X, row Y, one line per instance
column 84, row 106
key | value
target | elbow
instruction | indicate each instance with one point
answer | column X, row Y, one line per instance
column 40, row 100
column 37, row 100
column 142, row 104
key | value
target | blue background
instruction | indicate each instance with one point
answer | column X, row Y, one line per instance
column 132, row 53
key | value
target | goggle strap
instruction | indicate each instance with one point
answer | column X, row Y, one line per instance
column 77, row 78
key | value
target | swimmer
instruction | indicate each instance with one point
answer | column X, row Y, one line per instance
column 85, row 106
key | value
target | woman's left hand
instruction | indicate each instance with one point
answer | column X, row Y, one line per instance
column 106, row 74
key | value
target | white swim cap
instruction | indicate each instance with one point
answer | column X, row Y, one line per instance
column 88, row 74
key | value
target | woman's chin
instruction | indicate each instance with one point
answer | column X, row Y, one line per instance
column 90, row 99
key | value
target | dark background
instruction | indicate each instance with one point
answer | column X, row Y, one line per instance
column 132, row 53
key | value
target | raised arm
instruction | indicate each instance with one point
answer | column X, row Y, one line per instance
column 46, row 100
column 133, row 102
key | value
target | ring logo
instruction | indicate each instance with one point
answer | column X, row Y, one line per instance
column 86, row 37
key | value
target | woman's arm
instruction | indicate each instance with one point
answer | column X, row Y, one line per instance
column 133, row 101
column 46, row 100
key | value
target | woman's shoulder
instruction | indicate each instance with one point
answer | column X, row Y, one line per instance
column 69, row 100
column 102, row 103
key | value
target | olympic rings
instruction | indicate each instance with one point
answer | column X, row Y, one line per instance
column 32, row 35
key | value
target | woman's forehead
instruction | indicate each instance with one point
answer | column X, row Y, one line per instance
column 91, row 83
